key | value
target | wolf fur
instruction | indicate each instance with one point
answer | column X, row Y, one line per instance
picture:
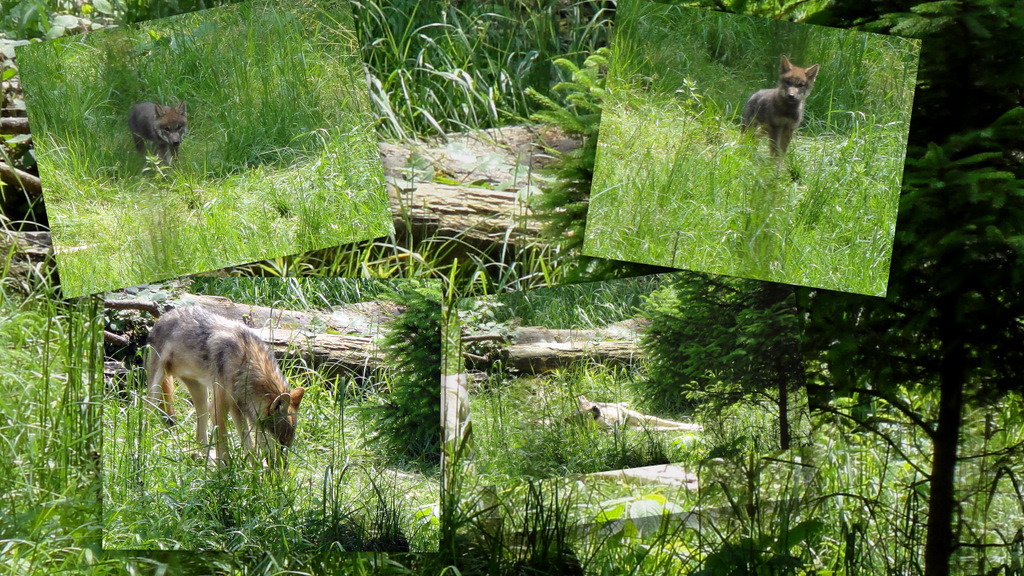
column 162, row 126
column 780, row 110
column 224, row 360
column 610, row 415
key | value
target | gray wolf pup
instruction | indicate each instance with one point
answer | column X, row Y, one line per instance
column 161, row 126
column 222, row 358
column 780, row 110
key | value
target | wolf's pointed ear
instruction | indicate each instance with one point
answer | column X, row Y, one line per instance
column 181, row 108
column 812, row 72
column 296, row 396
column 784, row 64
column 278, row 404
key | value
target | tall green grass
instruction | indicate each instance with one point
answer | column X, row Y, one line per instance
column 864, row 488
column 876, row 473
column 525, row 424
column 439, row 67
column 588, row 305
column 280, row 156
column 526, row 428
column 298, row 293
column 851, row 505
column 52, row 390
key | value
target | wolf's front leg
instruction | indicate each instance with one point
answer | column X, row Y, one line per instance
column 220, row 421
column 245, row 433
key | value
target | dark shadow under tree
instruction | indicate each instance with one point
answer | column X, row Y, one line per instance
column 739, row 335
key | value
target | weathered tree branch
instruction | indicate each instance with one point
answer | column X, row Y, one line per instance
column 116, row 339
column 14, row 125
column 21, row 180
column 143, row 305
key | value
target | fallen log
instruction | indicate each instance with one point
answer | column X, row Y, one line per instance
column 483, row 215
column 546, row 356
column 14, row 125
column 668, row 474
column 481, row 195
column 537, row 349
column 21, row 180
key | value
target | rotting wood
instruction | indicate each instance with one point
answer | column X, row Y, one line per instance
column 454, row 406
column 115, row 339
column 143, row 305
column 474, row 213
column 485, row 338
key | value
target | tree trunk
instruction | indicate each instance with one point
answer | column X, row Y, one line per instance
column 939, row 544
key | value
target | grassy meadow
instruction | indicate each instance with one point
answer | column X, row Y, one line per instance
column 523, row 428
column 280, row 156
column 676, row 184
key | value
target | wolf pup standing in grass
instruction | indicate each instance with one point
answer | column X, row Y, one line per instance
column 780, row 110
column 161, row 126
column 222, row 358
